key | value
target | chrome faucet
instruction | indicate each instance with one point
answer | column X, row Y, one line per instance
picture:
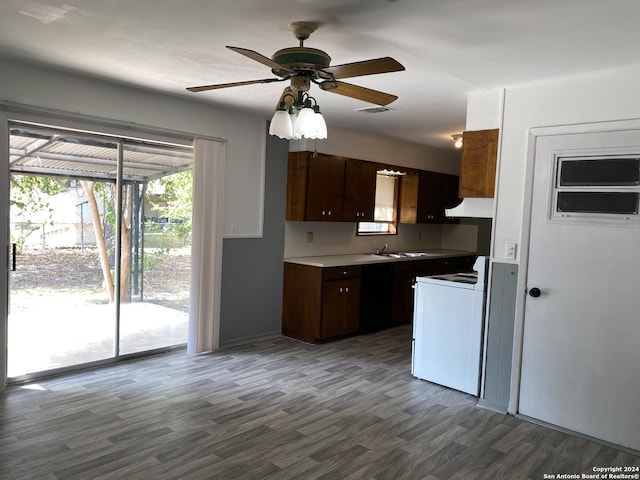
column 383, row 251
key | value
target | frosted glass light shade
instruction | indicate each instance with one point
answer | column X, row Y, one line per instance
column 281, row 125
column 321, row 126
column 295, row 135
column 305, row 124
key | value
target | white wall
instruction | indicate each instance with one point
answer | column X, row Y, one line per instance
column 338, row 238
column 575, row 102
column 331, row 238
column 41, row 87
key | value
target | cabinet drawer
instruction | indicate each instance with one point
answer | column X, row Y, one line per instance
column 336, row 273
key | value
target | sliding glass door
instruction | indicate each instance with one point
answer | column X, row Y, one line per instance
column 60, row 314
column 155, row 265
column 99, row 248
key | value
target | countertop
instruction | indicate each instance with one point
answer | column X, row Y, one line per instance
column 368, row 258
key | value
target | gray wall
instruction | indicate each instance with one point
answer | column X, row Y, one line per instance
column 499, row 333
column 252, row 268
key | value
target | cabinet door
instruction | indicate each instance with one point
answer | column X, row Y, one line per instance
column 430, row 198
column 402, row 296
column 408, row 199
column 297, row 170
column 325, row 188
column 302, row 302
column 478, row 163
column 359, row 191
column 340, row 307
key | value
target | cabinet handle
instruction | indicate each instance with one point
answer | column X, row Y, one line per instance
column 345, row 272
column 340, row 290
column 346, row 290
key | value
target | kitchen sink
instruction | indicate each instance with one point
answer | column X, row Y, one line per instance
column 404, row 254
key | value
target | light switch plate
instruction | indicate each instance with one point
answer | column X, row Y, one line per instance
column 510, row 251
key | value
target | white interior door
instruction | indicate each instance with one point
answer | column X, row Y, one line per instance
column 581, row 350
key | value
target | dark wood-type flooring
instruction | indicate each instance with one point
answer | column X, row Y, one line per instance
column 275, row 409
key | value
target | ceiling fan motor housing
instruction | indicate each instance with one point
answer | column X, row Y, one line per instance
column 302, row 58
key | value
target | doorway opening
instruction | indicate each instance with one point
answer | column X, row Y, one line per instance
column 100, row 231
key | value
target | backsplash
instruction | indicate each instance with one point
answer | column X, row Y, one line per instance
column 333, row 238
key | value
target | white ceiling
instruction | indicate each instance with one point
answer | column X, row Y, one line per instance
column 448, row 47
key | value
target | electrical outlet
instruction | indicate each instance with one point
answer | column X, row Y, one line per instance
column 510, row 251
column 308, row 237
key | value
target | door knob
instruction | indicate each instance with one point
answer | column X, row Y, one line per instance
column 535, row 292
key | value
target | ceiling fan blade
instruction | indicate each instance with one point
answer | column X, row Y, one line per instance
column 261, row 59
column 360, row 93
column 366, row 67
column 232, row 84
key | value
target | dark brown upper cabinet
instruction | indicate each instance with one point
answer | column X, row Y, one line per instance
column 315, row 187
column 323, row 187
column 424, row 195
column 359, row 191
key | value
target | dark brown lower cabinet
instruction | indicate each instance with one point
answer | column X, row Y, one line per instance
column 324, row 303
column 340, row 307
column 320, row 303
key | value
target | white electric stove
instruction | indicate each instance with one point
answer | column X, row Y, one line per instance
column 447, row 328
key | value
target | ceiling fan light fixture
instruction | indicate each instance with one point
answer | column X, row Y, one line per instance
column 302, row 66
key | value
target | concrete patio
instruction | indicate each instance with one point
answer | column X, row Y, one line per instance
column 48, row 335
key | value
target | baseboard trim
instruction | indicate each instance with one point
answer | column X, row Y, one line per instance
column 558, row 428
column 251, row 338
column 494, row 407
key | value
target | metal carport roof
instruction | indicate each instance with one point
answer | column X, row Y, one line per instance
column 46, row 151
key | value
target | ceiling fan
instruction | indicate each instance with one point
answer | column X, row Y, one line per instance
column 303, row 66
